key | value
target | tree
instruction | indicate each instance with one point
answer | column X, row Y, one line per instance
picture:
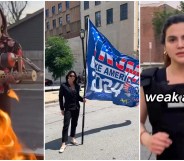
column 13, row 10
column 181, row 6
column 160, row 18
column 58, row 56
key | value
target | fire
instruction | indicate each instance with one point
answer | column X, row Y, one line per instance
column 12, row 94
column 10, row 148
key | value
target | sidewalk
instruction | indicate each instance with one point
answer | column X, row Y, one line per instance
column 110, row 133
column 51, row 97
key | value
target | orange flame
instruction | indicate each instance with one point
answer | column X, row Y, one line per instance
column 12, row 94
column 10, row 148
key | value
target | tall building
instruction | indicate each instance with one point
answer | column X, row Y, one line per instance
column 151, row 49
column 117, row 20
column 62, row 18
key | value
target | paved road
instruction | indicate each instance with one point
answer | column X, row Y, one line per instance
column 27, row 117
column 111, row 132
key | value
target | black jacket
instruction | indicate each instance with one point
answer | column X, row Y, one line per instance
column 72, row 97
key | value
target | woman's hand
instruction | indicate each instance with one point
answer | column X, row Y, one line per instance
column 62, row 112
column 84, row 99
column 156, row 143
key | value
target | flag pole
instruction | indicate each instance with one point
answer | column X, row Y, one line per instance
column 82, row 36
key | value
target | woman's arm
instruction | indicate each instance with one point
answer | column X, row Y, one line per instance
column 143, row 116
column 79, row 97
column 16, row 48
column 61, row 98
column 155, row 143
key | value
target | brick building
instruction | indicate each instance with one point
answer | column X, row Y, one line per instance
column 62, row 18
column 151, row 50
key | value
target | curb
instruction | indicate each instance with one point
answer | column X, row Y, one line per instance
column 49, row 90
column 54, row 101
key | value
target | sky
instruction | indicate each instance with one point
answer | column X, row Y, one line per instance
column 33, row 6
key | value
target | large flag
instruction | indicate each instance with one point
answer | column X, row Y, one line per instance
column 112, row 76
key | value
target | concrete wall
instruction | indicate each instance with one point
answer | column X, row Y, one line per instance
column 122, row 34
column 29, row 33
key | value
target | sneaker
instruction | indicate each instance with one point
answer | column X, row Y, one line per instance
column 74, row 142
column 62, row 149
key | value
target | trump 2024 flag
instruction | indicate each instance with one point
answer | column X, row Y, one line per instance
column 111, row 75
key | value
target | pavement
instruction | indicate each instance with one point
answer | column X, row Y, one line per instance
column 28, row 119
column 111, row 131
column 52, row 94
column 51, row 97
column 145, row 153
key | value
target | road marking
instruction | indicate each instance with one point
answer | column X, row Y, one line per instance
column 28, row 89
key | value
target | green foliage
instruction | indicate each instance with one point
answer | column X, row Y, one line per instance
column 181, row 7
column 159, row 18
column 58, row 56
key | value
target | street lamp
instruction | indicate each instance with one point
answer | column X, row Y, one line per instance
column 82, row 33
column 82, row 36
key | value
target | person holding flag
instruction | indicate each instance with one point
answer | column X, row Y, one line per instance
column 70, row 108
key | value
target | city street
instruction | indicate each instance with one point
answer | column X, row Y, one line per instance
column 27, row 116
column 111, row 132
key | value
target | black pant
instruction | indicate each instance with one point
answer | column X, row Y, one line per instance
column 5, row 103
column 72, row 115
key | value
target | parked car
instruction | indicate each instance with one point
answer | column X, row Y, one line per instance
column 48, row 82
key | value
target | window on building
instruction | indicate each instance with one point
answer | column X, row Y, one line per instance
column 98, row 19
column 59, row 7
column 53, row 10
column 97, row 3
column 47, row 12
column 47, row 25
column 109, row 15
column 54, row 23
column 68, row 18
column 67, row 5
column 124, row 11
column 86, row 5
column 86, row 22
column 60, row 21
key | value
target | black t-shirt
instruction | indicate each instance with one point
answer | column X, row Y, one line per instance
column 165, row 116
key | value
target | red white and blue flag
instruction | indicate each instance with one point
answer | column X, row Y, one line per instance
column 112, row 76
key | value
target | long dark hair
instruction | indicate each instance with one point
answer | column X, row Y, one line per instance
column 170, row 21
column 4, row 23
column 70, row 72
